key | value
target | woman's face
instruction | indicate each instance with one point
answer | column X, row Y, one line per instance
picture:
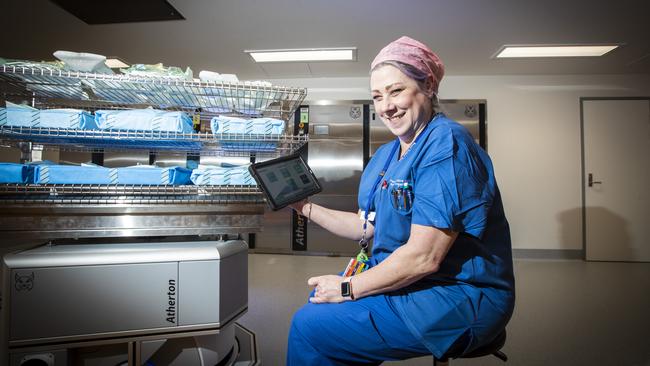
column 401, row 104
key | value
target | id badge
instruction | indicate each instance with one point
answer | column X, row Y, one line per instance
column 354, row 267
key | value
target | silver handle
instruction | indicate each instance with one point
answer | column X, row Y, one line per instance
column 591, row 181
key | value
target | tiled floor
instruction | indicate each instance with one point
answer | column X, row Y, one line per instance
column 567, row 312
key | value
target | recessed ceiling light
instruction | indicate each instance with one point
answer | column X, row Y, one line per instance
column 115, row 63
column 304, row 55
column 555, row 51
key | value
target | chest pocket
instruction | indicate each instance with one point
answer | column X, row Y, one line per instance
column 401, row 196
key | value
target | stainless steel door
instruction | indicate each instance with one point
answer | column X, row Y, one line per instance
column 467, row 113
column 336, row 157
column 379, row 133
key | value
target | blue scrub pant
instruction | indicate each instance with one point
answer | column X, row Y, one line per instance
column 363, row 332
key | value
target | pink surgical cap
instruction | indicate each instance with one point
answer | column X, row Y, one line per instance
column 411, row 52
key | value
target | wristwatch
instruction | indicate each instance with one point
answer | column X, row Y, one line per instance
column 346, row 288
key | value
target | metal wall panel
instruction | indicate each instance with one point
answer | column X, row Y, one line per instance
column 9, row 154
column 116, row 159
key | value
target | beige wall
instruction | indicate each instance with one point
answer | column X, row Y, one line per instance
column 533, row 138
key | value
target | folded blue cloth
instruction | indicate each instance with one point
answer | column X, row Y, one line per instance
column 262, row 126
column 47, row 118
column 153, row 175
column 222, row 175
column 144, row 119
column 16, row 173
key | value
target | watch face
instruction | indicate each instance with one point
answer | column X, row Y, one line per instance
column 345, row 289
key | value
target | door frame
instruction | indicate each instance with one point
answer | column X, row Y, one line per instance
column 582, row 163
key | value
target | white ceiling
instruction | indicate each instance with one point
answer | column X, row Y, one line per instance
column 464, row 33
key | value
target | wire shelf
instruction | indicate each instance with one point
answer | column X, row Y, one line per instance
column 47, row 87
column 93, row 194
column 50, row 87
column 205, row 143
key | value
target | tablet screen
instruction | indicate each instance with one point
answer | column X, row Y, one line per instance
column 285, row 180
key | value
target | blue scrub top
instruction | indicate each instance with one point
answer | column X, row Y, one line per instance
column 452, row 186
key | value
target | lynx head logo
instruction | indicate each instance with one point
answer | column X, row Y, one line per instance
column 470, row 111
column 24, row 282
column 355, row 112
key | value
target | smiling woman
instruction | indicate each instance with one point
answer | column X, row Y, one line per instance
column 440, row 278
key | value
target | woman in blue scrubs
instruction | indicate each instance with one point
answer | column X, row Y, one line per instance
column 440, row 278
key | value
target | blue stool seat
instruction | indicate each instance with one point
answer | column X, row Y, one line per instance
column 492, row 348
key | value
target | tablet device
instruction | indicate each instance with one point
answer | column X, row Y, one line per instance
column 285, row 180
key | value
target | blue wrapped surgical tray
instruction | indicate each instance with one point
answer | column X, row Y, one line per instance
column 71, row 174
column 47, row 118
column 264, row 128
column 222, row 175
column 16, row 173
column 260, row 126
column 144, row 119
column 94, row 174
column 153, row 175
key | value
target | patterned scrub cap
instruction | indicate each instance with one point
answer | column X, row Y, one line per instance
column 411, row 52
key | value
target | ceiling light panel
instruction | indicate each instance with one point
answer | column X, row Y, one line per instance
column 555, row 51
column 304, row 55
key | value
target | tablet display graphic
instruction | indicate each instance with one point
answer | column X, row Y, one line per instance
column 285, row 180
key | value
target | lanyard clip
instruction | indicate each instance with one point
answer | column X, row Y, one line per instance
column 363, row 244
column 363, row 253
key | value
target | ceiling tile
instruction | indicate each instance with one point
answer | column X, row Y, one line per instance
column 286, row 70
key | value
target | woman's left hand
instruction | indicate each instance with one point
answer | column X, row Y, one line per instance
column 326, row 289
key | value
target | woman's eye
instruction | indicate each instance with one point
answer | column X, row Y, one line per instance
column 376, row 97
column 395, row 91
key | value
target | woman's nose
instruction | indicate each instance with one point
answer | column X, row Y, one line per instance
column 386, row 107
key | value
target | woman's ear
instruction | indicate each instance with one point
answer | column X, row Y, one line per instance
column 428, row 88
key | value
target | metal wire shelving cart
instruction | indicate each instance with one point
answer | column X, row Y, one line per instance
column 45, row 87
column 101, row 215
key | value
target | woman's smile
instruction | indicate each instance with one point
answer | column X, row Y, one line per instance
column 394, row 118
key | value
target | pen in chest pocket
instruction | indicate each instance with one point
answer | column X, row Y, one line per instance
column 406, row 197
column 394, row 197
